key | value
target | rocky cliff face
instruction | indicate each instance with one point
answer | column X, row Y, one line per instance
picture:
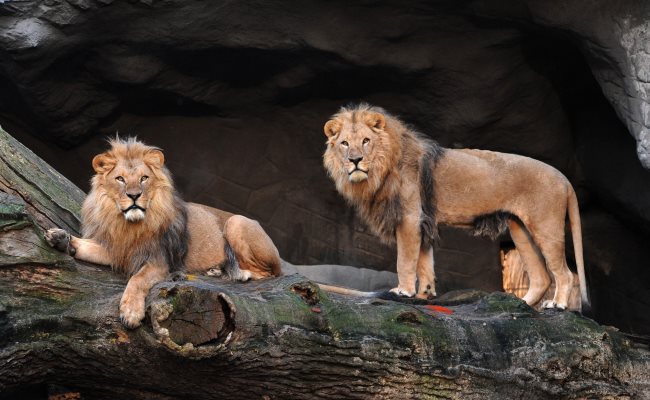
column 237, row 93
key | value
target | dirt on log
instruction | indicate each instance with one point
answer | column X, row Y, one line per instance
column 273, row 339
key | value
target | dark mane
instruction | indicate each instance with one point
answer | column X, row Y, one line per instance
column 383, row 216
column 379, row 202
column 174, row 240
column 170, row 247
column 429, row 223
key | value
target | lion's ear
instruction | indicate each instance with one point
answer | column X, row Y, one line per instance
column 103, row 163
column 154, row 158
column 375, row 120
column 332, row 128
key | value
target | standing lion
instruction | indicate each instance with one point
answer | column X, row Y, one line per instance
column 134, row 220
column 403, row 185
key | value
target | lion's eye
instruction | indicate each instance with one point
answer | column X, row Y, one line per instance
column 344, row 143
column 144, row 178
column 366, row 140
column 120, row 179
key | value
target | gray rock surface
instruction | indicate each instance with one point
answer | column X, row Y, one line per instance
column 615, row 40
column 344, row 275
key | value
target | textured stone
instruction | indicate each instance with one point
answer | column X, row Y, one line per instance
column 615, row 38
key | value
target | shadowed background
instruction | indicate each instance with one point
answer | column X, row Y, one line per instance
column 236, row 93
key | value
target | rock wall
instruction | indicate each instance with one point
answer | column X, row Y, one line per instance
column 237, row 93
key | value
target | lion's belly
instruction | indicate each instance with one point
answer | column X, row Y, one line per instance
column 206, row 244
column 470, row 183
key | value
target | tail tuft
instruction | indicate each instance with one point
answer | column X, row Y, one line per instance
column 230, row 268
column 576, row 235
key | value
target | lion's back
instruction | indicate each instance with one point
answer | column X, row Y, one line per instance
column 483, row 182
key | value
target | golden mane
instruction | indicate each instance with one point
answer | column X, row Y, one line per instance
column 130, row 244
column 388, row 155
column 400, row 148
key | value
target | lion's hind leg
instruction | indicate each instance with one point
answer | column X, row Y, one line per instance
column 549, row 235
column 252, row 247
column 230, row 268
column 426, row 274
column 538, row 278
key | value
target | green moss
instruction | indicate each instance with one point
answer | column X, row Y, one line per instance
column 11, row 207
column 405, row 325
column 9, row 225
column 461, row 296
column 12, row 213
column 21, row 230
column 50, row 192
column 499, row 302
column 29, row 247
column 182, row 299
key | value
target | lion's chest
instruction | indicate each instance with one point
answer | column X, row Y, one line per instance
column 382, row 216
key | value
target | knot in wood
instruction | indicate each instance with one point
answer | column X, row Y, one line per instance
column 307, row 291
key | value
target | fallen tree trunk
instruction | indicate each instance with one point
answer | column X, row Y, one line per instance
column 283, row 338
column 278, row 338
column 50, row 199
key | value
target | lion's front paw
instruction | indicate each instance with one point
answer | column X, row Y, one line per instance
column 60, row 240
column 402, row 292
column 131, row 311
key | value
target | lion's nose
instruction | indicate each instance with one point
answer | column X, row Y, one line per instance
column 134, row 195
column 355, row 160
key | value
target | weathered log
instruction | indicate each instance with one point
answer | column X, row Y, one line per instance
column 277, row 338
column 283, row 338
column 50, row 198
column 33, row 197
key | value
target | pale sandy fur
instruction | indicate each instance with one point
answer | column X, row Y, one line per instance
column 530, row 198
column 165, row 235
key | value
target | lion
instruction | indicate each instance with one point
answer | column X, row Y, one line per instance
column 515, row 278
column 134, row 220
column 403, row 185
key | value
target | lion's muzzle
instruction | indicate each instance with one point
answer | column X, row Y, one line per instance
column 134, row 213
column 358, row 175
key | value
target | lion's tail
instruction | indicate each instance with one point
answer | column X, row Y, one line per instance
column 384, row 295
column 347, row 291
column 576, row 235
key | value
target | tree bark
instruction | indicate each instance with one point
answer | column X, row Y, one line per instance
column 273, row 339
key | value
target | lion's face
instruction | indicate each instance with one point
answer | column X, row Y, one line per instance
column 352, row 144
column 129, row 183
column 130, row 188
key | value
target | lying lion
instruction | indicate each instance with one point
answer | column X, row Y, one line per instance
column 404, row 184
column 134, row 220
